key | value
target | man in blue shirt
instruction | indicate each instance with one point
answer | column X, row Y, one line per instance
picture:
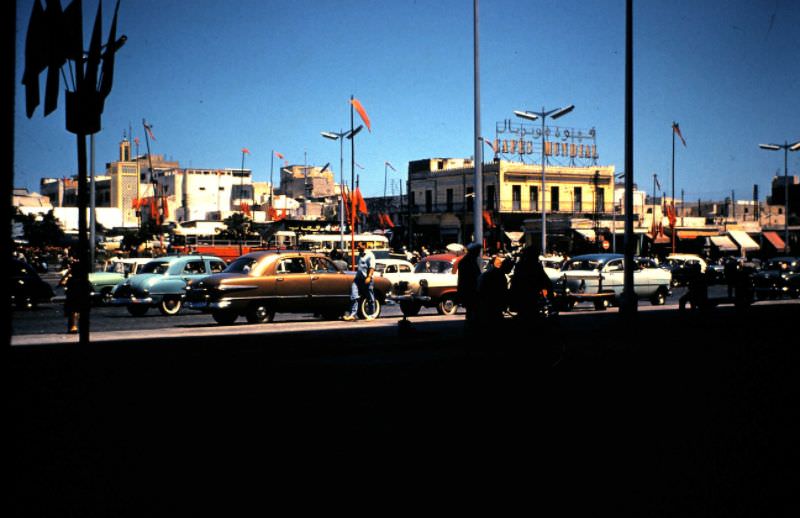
column 363, row 285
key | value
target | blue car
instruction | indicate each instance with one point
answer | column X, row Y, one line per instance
column 161, row 283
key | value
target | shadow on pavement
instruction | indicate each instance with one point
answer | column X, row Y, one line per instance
column 668, row 415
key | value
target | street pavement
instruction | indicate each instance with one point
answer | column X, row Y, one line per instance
column 668, row 414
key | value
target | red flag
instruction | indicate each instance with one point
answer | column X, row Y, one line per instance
column 671, row 216
column 677, row 131
column 361, row 112
column 245, row 208
column 359, row 202
column 278, row 155
column 388, row 220
column 245, row 151
column 153, row 208
column 165, row 207
column 487, row 218
column 135, row 203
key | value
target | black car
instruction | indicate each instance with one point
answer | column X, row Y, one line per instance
column 779, row 276
column 27, row 289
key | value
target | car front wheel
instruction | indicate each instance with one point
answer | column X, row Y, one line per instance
column 170, row 306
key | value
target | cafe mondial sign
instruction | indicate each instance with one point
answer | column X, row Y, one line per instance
column 578, row 147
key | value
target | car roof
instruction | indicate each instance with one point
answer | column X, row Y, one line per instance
column 597, row 257
column 388, row 260
column 440, row 257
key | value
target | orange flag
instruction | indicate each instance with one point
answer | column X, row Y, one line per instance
column 245, row 151
column 677, row 130
column 359, row 202
column 278, row 155
column 361, row 112
column 387, row 220
column 487, row 218
column 165, row 206
column 245, row 208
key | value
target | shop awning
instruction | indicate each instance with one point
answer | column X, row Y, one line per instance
column 744, row 241
column 694, row 234
column 775, row 240
column 586, row 233
column 723, row 243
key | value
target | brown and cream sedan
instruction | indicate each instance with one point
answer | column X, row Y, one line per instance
column 259, row 284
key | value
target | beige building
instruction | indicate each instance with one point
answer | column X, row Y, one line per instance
column 441, row 203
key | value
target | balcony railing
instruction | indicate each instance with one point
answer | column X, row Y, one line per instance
column 512, row 207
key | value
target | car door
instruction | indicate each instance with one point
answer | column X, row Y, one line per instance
column 292, row 281
column 329, row 286
column 613, row 276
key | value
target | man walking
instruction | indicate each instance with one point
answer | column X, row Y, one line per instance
column 363, row 285
column 469, row 269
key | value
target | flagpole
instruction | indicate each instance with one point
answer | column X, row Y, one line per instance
column 352, row 190
column 271, row 190
column 671, row 226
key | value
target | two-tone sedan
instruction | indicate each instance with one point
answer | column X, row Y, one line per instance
column 433, row 284
column 162, row 283
column 259, row 284
column 599, row 278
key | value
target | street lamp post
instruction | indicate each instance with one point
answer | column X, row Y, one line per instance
column 532, row 116
column 340, row 136
column 786, row 147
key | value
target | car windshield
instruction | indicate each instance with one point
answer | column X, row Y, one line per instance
column 433, row 267
column 582, row 264
column 158, row 267
column 780, row 266
column 241, row 265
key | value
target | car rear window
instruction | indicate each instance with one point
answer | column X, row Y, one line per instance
column 582, row 264
column 159, row 267
column 433, row 267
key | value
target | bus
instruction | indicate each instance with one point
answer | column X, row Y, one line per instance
column 326, row 243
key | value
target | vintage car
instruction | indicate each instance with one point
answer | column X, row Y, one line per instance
column 395, row 270
column 599, row 278
column 778, row 276
column 162, row 281
column 552, row 266
column 682, row 266
column 259, row 284
column 434, row 284
column 114, row 271
column 26, row 288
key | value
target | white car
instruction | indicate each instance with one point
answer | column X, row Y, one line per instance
column 433, row 284
column 600, row 278
column 395, row 270
column 552, row 266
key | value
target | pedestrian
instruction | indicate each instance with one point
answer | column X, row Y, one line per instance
column 696, row 289
column 338, row 260
column 363, row 285
column 730, row 270
column 76, row 293
column 530, row 285
column 492, row 293
column 469, row 269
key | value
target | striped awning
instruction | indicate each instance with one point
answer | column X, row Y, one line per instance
column 775, row 240
column 694, row 234
column 744, row 241
column 586, row 233
column 723, row 243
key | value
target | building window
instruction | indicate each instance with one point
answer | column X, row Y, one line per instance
column 599, row 201
column 489, row 197
column 516, row 198
column 428, row 201
column 578, row 199
column 533, row 198
column 554, row 202
column 449, row 200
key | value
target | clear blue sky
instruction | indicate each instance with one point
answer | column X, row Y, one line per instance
column 216, row 76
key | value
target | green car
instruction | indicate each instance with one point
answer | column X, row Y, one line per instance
column 114, row 272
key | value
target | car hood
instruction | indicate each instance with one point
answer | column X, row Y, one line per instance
column 105, row 277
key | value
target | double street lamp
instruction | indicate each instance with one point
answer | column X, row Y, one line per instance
column 786, row 147
column 532, row 116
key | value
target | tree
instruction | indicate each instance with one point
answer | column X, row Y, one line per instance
column 238, row 227
column 41, row 232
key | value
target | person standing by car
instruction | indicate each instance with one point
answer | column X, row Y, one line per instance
column 492, row 293
column 469, row 269
column 528, row 284
column 363, row 285
column 75, row 295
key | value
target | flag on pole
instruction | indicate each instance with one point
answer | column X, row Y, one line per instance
column 245, row 151
column 279, row 155
column 245, row 208
column 390, row 166
column 362, row 113
column 677, row 131
column 358, row 201
column 149, row 129
column 658, row 184
column 487, row 218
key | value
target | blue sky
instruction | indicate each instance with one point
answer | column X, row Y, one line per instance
column 213, row 77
